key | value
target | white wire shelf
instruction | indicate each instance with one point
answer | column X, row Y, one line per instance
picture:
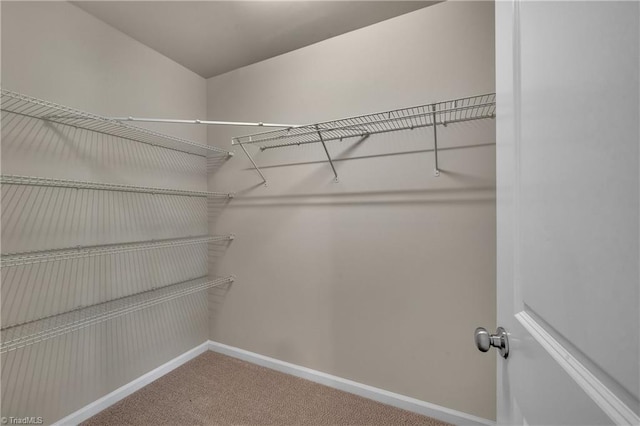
column 9, row 260
column 22, row 335
column 17, row 103
column 429, row 115
column 76, row 184
column 447, row 112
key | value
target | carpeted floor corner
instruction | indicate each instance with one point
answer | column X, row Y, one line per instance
column 215, row 389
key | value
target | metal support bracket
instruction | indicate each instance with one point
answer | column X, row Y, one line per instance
column 327, row 152
column 264, row 180
column 436, row 170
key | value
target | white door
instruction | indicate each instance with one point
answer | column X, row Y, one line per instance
column 568, row 218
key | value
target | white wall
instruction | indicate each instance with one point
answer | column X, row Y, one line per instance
column 57, row 52
column 62, row 54
column 382, row 277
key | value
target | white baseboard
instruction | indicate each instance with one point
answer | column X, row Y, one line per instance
column 366, row 391
column 106, row 401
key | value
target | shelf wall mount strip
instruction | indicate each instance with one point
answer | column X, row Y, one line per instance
column 206, row 122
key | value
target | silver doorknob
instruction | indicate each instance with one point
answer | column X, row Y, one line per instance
column 484, row 340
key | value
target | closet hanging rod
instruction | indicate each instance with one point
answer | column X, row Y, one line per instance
column 9, row 260
column 208, row 122
column 32, row 332
column 73, row 184
column 16, row 103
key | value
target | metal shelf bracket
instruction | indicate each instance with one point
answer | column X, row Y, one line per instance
column 255, row 166
column 436, row 170
column 324, row 145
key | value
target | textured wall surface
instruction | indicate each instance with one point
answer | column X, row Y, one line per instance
column 57, row 52
column 382, row 277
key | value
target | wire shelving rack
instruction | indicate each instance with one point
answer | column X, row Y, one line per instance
column 429, row 115
column 17, row 103
column 9, row 260
column 23, row 334
column 26, row 334
column 75, row 184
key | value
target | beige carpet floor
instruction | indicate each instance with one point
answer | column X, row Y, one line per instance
column 214, row 389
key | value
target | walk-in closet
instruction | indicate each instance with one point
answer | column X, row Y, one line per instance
column 319, row 212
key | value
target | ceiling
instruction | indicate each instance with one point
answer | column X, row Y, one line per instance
column 213, row 37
